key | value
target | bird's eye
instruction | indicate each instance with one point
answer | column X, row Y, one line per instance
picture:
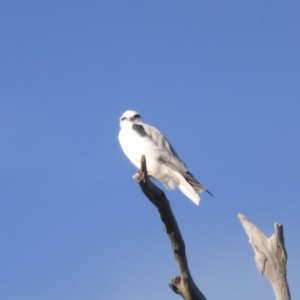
column 136, row 116
column 124, row 118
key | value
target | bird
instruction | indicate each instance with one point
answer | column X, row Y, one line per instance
column 163, row 163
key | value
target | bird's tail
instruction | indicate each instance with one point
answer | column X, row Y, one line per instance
column 195, row 184
column 189, row 189
column 199, row 187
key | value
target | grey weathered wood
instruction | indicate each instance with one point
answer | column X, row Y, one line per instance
column 270, row 256
column 183, row 284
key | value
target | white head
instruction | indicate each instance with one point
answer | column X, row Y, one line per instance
column 130, row 117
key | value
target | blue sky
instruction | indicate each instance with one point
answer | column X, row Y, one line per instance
column 220, row 79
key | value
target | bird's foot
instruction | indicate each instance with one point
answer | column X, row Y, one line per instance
column 137, row 175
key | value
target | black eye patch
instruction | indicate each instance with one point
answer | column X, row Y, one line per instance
column 136, row 116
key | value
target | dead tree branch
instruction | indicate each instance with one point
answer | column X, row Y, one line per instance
column 183, row 284
column 270, row 256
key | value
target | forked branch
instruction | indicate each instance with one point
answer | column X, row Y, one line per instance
column 270, row 256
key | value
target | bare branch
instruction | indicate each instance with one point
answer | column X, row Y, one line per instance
column 270, row 256
column 183, row 284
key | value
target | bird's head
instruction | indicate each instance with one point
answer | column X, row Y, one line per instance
column 130, row 117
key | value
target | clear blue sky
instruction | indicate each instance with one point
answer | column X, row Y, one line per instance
column 220, row 79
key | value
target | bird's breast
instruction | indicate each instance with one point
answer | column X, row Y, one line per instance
column 135, row 145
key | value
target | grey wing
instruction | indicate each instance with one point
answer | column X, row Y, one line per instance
column 168, row 153
column 170, row 157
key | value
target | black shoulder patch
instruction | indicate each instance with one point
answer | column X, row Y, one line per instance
column 139, row 129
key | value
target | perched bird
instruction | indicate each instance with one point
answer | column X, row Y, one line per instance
column 137, row 139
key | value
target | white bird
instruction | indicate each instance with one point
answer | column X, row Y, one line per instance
column 137, row 139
